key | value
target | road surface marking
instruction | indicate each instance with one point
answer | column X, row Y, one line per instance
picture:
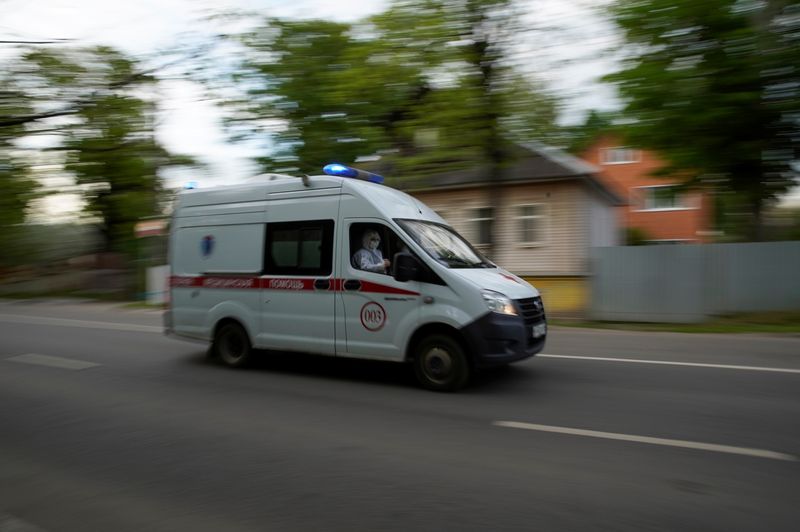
column 40, row 320
column 670, row 363
column 54, row 362
column 760, row 453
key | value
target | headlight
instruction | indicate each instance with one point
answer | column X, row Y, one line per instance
column 497, row 302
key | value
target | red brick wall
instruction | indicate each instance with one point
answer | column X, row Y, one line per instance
column 623, row 178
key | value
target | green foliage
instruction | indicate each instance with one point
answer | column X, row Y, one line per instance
column 597, row 123
column 749, row 323
column 530, row 113
column 783, row 223
column 636, row 236
column 15, row 182
column 115, row 159
column 98, row 107
column 298, row 91
column 712, row 86
column 17, row 190
column 48, row 244
column 423, row 85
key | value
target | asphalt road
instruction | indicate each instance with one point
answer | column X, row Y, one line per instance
column 107, row 425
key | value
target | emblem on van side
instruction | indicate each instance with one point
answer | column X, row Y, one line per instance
column 207, row 246
column 373, row 317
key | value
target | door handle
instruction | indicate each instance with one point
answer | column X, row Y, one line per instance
column 322, row 284
column 352, row 285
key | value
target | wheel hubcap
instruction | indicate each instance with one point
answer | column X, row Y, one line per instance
column 232, row 347
column 438, row 363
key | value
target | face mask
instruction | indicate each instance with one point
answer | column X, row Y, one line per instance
column 373, row 244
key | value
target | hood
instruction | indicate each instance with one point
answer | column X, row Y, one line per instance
column 497, row 279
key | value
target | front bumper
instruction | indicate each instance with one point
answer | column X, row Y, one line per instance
column 497, row 339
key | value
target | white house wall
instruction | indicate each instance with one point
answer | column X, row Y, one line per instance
column 563, row 251
column 603, row 230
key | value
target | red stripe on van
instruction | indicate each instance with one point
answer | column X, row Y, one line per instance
column 176, row 281
column 213, row 281
column 376, row 288
column 276, row 283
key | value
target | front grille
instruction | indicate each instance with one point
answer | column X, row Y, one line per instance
column 532, row 310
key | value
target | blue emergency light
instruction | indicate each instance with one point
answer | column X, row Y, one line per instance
column 346, row 171
column 191, row 185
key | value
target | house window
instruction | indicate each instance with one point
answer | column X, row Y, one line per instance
column 481, row 225
column 659, row 198
column 531, row 220
column 619, row 155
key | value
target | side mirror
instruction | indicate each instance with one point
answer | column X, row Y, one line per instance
column 406, row 267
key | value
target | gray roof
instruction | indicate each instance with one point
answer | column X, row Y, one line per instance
column 534, row 162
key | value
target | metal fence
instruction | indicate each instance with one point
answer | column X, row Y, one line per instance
column 685, row 284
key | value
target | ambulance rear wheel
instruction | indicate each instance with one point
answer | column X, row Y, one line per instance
column 441, row 364
column 232, row 345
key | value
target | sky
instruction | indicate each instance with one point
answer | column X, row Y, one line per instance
column 571, row 61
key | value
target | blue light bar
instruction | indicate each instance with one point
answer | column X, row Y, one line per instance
column 190, row 185
column 346, row 171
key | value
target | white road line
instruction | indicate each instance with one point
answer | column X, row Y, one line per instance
column 759, row 453
column 63, row 322
column 670, row 363
column 53, row 362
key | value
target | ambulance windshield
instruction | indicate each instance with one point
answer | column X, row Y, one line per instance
column 444, row 244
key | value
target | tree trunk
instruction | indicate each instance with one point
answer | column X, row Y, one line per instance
column 757, row 211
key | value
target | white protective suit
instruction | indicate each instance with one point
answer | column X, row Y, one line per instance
column 369, row 257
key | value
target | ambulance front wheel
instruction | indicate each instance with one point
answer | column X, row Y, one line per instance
column 232, row 345
column 441, row 364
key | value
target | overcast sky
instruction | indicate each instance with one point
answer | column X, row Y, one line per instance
column 570, row 62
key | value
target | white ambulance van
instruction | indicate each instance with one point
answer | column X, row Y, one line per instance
column 277, row 264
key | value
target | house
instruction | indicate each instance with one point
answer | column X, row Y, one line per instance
column 656, row 208
column 550, row 211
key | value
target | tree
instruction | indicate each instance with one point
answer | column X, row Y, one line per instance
column 17, row 191
column 485, row 105
column 99, row 108
column 712, row 86
column 15, row 182
column 469, row 104
column 426, row 86
column 597, row 123
column 294, row 92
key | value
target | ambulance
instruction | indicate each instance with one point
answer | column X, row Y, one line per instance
column 269, row 265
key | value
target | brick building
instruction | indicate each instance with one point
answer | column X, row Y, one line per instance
column 664, row 213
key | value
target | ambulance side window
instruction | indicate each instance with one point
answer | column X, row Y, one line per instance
column 299, row 248
column 388, row 245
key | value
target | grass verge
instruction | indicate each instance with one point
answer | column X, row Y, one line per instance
column 761, row 322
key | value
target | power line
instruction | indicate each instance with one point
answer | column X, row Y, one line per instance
column 52, row 41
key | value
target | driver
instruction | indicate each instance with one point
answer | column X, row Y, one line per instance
column 369, row 257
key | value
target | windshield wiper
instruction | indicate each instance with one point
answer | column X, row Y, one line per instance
column 456, row 262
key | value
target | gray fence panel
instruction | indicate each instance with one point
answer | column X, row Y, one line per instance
column 685, row 284
column 639, row 284
column 759, row 277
